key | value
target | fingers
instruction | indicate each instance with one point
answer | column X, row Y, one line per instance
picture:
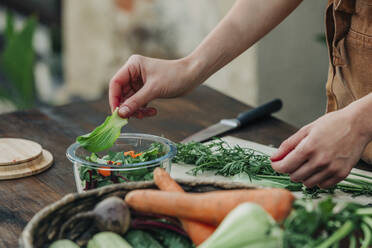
column 290, row 144
column 117, row 85
column 316, row 178
column 338, row 173
column 135, row 102
column 125, row 80
column 329, row 183
column 293, row 160
column 145, row 112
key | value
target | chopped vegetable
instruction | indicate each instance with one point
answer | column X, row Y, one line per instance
column 227, row 161
column 197, row 231
column 104, row 171
column 107, row 175
column 247, row 226
column 210, row 207
column 108, row 240
column 105, row 135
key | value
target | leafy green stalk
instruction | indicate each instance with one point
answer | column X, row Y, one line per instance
column 367, row 236
column 338, row 235
column 105, row 135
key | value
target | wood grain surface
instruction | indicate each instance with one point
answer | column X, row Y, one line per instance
column 15, row 151
column 56, row 128
column 29, row 168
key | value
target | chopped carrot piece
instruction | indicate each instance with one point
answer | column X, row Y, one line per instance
column 104, row 171
column 129, row 153
column 136, row 155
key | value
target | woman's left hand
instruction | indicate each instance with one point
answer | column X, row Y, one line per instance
column 323, row 152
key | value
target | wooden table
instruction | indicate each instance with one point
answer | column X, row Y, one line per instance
column 56, row 128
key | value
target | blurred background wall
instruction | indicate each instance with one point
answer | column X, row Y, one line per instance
column 98, row 37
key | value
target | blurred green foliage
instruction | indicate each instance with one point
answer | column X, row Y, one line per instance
column 17, row 63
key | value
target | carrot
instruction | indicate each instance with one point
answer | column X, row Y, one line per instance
column 104, row 171
column 130, row 153
column 197, row 231
column 136, row 155
column 210, row 207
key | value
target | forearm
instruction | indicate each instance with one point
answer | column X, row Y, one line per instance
column 360, row 112
column 246, row 23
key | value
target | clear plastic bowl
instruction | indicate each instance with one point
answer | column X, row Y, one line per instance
column 87, row 175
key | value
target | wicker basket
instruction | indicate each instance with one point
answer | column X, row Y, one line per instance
column 44, row 227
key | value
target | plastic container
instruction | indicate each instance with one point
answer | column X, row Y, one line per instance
column 88, row 175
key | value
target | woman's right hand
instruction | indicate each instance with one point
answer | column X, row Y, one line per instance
column 143, row 79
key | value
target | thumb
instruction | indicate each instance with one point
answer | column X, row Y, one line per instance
column 133, row 103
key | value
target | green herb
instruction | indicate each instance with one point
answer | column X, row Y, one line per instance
column 227, row 161
column 327, row 225
column 105, row 135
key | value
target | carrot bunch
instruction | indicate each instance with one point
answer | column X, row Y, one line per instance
column 201, row 213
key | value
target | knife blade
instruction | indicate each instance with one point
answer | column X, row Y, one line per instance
column 241, row 120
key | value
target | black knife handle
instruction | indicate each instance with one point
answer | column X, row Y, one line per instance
column 260, row 111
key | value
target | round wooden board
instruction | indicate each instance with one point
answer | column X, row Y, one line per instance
column 27, row 168
column 16, row 151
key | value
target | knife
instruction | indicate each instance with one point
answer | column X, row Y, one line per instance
column 241, row 120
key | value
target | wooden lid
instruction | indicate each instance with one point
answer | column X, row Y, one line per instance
column 43, row 162
column 21, row 158
column 16, row 151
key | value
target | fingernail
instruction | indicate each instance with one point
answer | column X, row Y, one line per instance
column 124, row 111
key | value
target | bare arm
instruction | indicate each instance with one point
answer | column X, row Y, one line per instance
column 143, row 79
column 246, row 23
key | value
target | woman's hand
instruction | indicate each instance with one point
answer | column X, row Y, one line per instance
column 324, row 152
column 143, row 79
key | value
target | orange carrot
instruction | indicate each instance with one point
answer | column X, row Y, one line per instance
column 136, row 155
column 104, row 171
column 210, row 207
column 197, row 231
column 130, row 153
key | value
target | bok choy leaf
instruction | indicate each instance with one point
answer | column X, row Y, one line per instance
column 247, row 226
column 105, row 135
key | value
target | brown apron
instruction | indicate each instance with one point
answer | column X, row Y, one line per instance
column 349, row 40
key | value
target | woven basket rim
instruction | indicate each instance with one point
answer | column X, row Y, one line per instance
column 26, row 239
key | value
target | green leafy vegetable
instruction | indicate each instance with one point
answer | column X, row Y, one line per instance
column 142, row 239
column 105, row 135
column 327, row 225
column 157, row 238
column 171, row 239
column 247, row 226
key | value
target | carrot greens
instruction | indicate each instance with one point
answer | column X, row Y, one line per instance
column 230, row 161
